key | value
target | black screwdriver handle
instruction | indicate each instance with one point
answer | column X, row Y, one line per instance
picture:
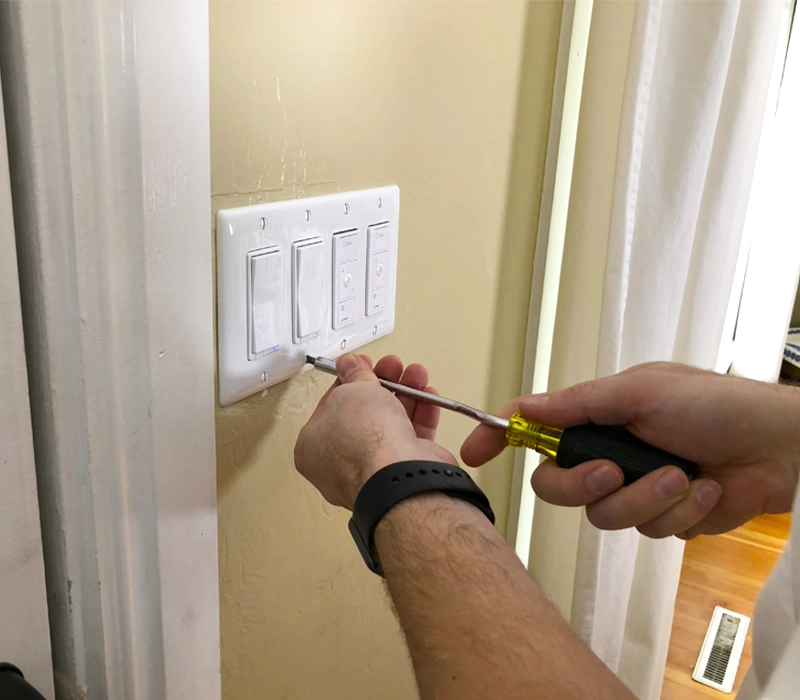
column 636, row 458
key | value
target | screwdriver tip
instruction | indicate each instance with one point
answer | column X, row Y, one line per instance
column 310, row 359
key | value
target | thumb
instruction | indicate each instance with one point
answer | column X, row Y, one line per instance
column 615, row 400
column 352, row 368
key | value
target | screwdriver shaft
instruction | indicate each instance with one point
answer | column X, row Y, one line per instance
column 329, row 366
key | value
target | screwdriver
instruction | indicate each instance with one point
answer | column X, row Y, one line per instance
column 569, row 447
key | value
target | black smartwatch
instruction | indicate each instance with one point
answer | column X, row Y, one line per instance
column 393, row 484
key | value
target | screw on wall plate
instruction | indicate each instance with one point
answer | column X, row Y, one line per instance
column 346, row 208
column 264, row 377
column 343, row 345
column 308, row 215
column 375, row 331
column 263, row 223
column 380, row 202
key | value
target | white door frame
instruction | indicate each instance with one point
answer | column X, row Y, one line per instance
column 108, row 121
column 25, row 637
column 573, row 43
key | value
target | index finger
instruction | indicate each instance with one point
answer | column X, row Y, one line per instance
column 485, row 443
column 616, row 400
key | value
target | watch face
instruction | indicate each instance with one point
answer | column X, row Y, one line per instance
column 363, row 547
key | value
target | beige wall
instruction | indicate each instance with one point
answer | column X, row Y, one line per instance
column 311, row 98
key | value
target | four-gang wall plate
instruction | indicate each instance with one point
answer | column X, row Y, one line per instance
column 312, row 276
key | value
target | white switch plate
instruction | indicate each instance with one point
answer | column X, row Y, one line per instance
column 246, row 233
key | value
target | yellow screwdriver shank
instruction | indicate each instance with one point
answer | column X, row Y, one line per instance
column 523, row 433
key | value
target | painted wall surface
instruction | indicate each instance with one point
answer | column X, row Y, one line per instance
column 450, row 101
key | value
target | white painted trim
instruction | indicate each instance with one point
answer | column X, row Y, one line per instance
column 540, row 252
column 108, row 120
column 25, row 637
column 567, row 91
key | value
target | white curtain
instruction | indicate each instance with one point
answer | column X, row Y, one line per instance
column 694, row 100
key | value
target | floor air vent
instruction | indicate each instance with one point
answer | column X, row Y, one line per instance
column 722, row 649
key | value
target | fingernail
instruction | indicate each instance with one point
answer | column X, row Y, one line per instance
column 603, row 480
column 346, row 365
column 708, row 494
column 672, row 484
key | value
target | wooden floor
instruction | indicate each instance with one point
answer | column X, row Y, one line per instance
column 727, row 570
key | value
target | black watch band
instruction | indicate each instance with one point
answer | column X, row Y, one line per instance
column 393, row 484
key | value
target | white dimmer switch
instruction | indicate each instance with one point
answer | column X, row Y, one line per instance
column 308, row 281
column 266, row 301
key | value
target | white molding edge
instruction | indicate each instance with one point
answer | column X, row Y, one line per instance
column 565, row 111
column 25, row 640
column 540, row 251
column 108, row 121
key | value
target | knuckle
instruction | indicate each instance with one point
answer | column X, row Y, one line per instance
column 656, row 367
column 546, row 487
column 603, row 520
column 299, row 449
column 654, row 532
column 641, row 511
column 611, row 515
column 583, row 389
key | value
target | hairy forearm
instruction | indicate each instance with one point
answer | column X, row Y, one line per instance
column 477, row 625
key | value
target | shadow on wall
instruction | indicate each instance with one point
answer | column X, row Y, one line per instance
column 526, row 174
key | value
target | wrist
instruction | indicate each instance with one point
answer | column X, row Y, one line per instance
column 388, row 489
column 388, row 453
